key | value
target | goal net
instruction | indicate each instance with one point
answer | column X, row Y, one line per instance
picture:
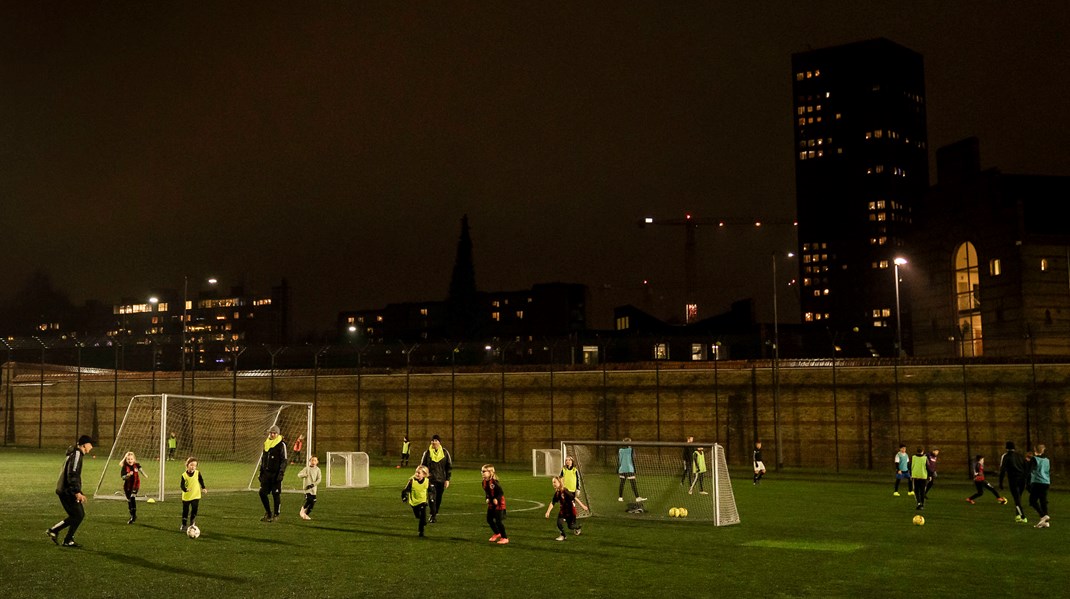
column 663, row 479
column 347, row 470
column 225, row 435
column 545, row 462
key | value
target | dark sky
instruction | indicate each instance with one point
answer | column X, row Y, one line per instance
column 338, row 144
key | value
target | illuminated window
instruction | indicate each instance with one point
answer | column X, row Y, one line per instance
column 878, row 133
column 808, row 317
column 520, row 314
column 496, row 316
column 809, row 74
column 967, row 301
column 378, row 319
column 496, row 303
column 801, row 110
column 1043, row 265
column 350, row 320
column 869, row 134
column 884, row 264
column 623, row 323
column 838, row 115
column 802, row 120
column 802, row 155
column 423, row 311
column 799, row 76
column 806, row 281
column 817, row 73
column 661, row 351
column 994, row 267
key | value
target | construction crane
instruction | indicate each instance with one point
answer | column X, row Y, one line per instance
column 691, row 224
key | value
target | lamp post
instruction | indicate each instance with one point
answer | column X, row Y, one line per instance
column 185, row 320
column 776, row 368
column 899, row 261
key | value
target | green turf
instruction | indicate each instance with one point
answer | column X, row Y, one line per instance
column 801, row 535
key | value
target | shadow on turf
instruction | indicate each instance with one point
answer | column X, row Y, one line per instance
column 134, row 560
column 218, row 536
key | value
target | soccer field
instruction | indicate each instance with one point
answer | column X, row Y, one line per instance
column 802, row 534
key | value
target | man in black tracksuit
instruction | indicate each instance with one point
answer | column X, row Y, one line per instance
column 1012, row 466
column 272, row 469
column 440, row 466
column 69, row 490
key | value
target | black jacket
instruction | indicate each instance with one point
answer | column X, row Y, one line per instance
column 1013, row 465
column 273, row 462
column 439, row 471
column 70, row 479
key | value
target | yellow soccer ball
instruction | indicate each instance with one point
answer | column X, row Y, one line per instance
column 674, row 512
column 919, row 520
column 683, row 512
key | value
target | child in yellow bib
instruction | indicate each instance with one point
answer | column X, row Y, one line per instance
column 192, row 485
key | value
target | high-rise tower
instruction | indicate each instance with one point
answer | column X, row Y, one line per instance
column 861, row 162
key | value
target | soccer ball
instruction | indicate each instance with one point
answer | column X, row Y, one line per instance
column 193, row 532
column 674, row 512
column 683, row 512
column 919, row 520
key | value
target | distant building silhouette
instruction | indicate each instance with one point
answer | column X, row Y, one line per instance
column 861, row 165
column 462, row 304
column 989, row 265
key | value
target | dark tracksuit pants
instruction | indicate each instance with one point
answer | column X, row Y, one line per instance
column 75, row 515
column 271, row 486
column 440, row 490
column 494, row 519
column 189, row 510
column 982, row 485
column 1038, row 498
column 1017, row 486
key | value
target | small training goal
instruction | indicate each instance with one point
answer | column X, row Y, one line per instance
column 347, row 470
column 545, row 462
column 225, row 435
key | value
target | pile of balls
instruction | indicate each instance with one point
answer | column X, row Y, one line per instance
column 678, row 512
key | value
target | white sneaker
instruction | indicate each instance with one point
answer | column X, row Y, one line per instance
column 1043, row 523
column 560, row 538
column 703, row 492
column 620, row 499
column 640, row 498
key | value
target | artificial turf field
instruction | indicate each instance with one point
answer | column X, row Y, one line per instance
column 802, row 534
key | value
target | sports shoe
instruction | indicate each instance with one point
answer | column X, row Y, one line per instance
column 266, row 518
column 560, row 538
column 183, row 528
column 503, row 541
column 640, row 498
column 275, row 518
column 910, row 493
column 690, row 492
column 895, row 494
column 71, row 544
column 53, row 536
column 620, row 499
column 495, row 538
column 302, row 513
column 1021, row 520
column 703, row 492
column 578, row 531
column 1002, row 500
column 432, row 520
column 1043, row 523
column 970, row 501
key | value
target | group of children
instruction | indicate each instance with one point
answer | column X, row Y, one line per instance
column 420, row 494
column 192, row 486
column 1030, row 473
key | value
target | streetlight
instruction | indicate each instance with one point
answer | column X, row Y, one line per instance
column 185, row 319
column 776, row 366
column 899, row 261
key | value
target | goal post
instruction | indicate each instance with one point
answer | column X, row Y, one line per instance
column 226, row 435
column 348, row 470
column 546, row 462
column 661, row 479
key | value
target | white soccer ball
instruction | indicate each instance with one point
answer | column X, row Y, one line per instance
column 193, row 532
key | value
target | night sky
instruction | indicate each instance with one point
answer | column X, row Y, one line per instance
column 338, row 144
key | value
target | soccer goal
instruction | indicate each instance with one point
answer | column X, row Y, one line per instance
column 347, row 470
column 661, row 480
column 225, row 435
column 545, row 462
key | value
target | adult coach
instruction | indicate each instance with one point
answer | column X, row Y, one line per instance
column 272, row 469
column 1012, row 466
column 69, row 490
column 439, row 465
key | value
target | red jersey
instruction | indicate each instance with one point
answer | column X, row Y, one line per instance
column 493, row 490
column 131, row 483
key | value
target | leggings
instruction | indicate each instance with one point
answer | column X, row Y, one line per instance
column 919, row 490
column 310, row 502
column 1038, row 498
column 569, row 520
column 494, row 518
column 131, row 502
column 635, row 489
column 420, row 511
column 1017, row 486
column 189, row 508
column 982, row 485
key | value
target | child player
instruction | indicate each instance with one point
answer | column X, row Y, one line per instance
column 192, row 485
column 131, row 474
column 492, row 489
column 1039, row 482
column 570, row 477
column 759, row 465
column 404, row 452
column 978, row 467
column 902, row 469
column 417, row 493
column 626, row 471
column 698, row 471
column 311, row 476
column 567, row 514
column 919, row 476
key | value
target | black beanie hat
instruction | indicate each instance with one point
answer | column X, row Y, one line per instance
column 85, row 439
column 1010, row 445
